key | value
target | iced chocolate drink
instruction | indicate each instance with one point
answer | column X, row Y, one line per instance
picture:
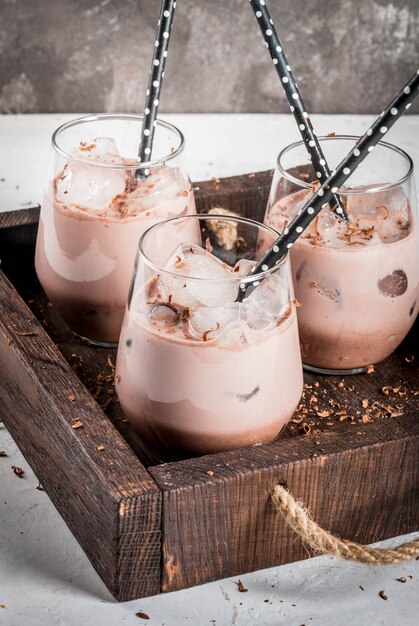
column 357, row 282
column 198, row 372
column 95, row 209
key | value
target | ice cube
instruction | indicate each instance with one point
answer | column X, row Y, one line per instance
column 271, row 296
column 285, row 209
column 257, row 318
column 100, row 150
column 203, row 279
column 209, row 322
column 160, row 185
column 327, row 290
column 88, row 186
column 394, row 284
column 326, row 221
column 387, row 211
column 378, row 205
column 235, row 336
column 243, row 267
column 164, row 314
column 227, row 324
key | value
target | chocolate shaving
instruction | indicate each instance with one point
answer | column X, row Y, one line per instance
column 387, row 390
column 382, row 595
column 344, row 417
column 210, row 330
column 241, row 587
column 325, row 413
column 142, row 615
column 18, row 471
column 3, row 453
column 381, row 206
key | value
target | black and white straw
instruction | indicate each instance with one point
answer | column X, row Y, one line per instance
column 155, row 82
column 321, row 198
column 294, row 98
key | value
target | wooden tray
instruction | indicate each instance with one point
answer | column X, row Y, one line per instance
column 154, row 528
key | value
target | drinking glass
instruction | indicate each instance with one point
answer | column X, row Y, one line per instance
column 198, row 372
column 357, row 282
column 98, row 201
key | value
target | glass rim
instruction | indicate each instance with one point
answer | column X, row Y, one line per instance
column 240, row 280
column 346, row 192
column 117, row 116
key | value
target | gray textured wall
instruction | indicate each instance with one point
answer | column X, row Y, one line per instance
column 92, row 55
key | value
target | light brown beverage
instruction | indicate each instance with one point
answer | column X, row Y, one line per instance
column 90, row 225
column 357, row 283
column 198, row 372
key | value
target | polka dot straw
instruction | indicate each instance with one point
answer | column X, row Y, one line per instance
column 155, row 82
column 305, row 216
column 294, row 98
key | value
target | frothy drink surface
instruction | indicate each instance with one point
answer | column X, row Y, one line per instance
column 90, row 225
column 198, row 377
column 357, row 282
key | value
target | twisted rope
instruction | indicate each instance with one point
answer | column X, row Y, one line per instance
column 322, row 541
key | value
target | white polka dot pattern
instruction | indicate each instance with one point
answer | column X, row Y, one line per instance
column 155, row 83
column 293, row 95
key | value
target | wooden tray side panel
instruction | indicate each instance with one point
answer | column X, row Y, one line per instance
column 92, row 476
column 246, row 195
column 364, row 487
column 139, row 548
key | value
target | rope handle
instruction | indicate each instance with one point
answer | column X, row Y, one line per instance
column 320, row 540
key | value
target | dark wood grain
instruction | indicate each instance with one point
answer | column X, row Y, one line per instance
column 350, row 453
column 246, row 195
column 361, row 483
column 95, row 480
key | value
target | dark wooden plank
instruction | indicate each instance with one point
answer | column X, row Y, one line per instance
column 361, row 483
column 17, row 245
column 105, row 495
column 93, row 366
column 246, row 195
column 23, row 217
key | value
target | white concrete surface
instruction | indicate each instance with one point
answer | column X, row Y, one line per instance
column 217, row 145
column 45, row 578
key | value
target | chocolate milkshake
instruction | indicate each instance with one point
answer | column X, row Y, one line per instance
column 94, row 211
column 358, row 282
column 196, row 371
